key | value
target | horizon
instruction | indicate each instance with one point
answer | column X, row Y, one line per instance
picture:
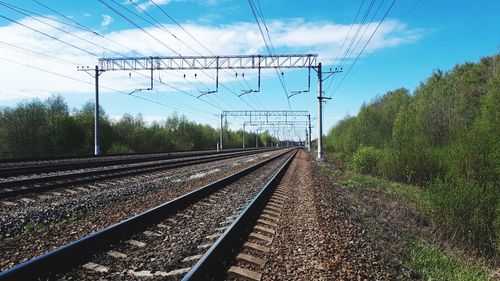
column 414, row 33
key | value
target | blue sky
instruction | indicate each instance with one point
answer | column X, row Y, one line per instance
column 416, row 37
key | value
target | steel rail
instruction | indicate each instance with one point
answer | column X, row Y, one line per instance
column 59, row 260
column 50, row 182
column 4, row 161
column 213, row 265
column 92, row 162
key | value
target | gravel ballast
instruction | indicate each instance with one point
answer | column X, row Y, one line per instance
column 98, row 209
column 317, row 237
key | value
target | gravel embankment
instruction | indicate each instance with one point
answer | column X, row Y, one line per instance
column 318, row 237
column 185, row 234
column 106, row 206
column 60, row 204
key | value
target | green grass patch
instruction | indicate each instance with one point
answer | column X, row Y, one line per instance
column 428, row 260
column 418, row 198
column 33, row 227
column 432, row 264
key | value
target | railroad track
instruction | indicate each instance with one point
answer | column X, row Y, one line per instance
column 13, row 167
column 211, row 201
column 68, row 177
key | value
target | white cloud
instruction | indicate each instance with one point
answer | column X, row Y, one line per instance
column 144, row 5
column 294, row 36
column 106, row 20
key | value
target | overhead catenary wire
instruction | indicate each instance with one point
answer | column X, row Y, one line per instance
column 59, row 40
column 89, row 30
column 153, row 24
column 192, row 37
column 348, row 50
column 345, row 41
column 48, row 35
column 12, row 7
column 90, row 83
column 138, row 26
column 364, row 47
column 270, row 49
column 162, row 27
column 355, row 46
column 85, row 28
column 63, row 61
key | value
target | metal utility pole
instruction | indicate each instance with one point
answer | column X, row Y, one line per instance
column 320, row 113
column 307, row 140
column 257, row 139
column 320, row 106
column 195, row 62
column 243, row 135
column 309, row 133
column 221, row 130
column 96, row 114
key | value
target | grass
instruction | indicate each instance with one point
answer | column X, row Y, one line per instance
column 33, row 227
column 432, row 264
column 425, row 258
column 418, row 199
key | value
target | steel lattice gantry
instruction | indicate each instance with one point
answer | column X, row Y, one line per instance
column 208, row 62
column 265, row 113
column 211, row 62
column 274, row 124
column 268, row 117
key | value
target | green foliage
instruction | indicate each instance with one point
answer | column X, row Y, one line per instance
column 48, row 128
column 31, row 228
column 446, row 136
column 432, row 264
column 366, row 160
column 468, row 211
column 119, row 149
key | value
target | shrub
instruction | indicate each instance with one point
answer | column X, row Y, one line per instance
column 468, row 211
column 119, row 149
column 366, row 160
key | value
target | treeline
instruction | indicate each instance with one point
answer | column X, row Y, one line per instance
column 49, row 128
column 445, row 137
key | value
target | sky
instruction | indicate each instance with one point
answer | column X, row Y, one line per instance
column 380, row 45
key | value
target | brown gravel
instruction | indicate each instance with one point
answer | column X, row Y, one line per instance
column 26, row 246
column 318, row 237
column 180, row 234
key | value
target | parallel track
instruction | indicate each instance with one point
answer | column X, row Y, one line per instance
column 14, row 168
column 65, row 257
column 15, row 187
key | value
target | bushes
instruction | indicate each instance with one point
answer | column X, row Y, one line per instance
column 366, row 160
column 467, row 211
column 446, row 136
column 48, row 128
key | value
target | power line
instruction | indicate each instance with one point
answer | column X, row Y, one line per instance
column 269, row 49
column 350, row 29
column 14, row 8
column 194, row 38
column 90, row 83
column 136, row 25
column 162, row 27
column 62, row 41
column 48, row 35
column 145, row 31
column 39, row 53
column 349, row 48
column 366, row 44
column 367, row 26
column 83, row 27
